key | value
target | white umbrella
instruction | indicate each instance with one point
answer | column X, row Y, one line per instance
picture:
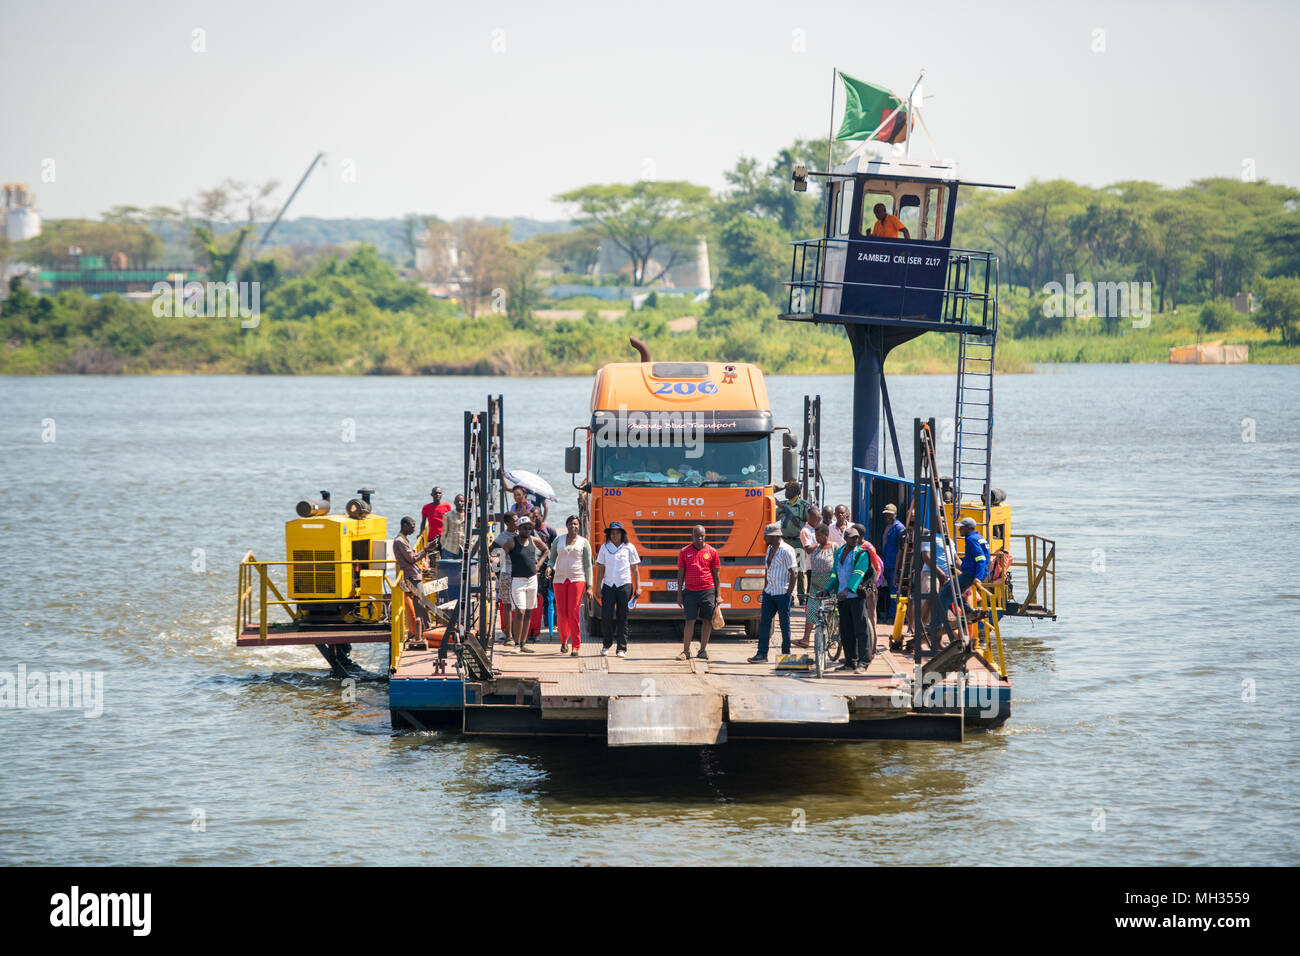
column 533, row 483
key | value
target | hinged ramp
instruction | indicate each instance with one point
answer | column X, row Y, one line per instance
column 666, row 720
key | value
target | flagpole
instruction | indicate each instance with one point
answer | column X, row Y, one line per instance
column 830, row 126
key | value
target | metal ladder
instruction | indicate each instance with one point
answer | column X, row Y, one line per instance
column 972, row 451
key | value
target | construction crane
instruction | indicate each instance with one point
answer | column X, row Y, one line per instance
column 280, row 215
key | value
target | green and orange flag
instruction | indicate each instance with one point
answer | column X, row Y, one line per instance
column 866, row 106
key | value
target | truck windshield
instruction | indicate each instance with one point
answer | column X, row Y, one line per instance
column 728, row 460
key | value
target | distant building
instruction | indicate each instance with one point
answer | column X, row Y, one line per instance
column 96, row 276
column 1244, row 303
column 1209, row 353
column 424, row 255
column 441, row 279
column 21, row 220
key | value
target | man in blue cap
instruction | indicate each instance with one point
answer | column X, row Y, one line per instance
column 889, row 549
column 975, row 555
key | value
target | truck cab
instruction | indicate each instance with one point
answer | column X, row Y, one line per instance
column 671, row 445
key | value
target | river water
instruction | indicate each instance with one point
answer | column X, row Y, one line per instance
column 1152, row 724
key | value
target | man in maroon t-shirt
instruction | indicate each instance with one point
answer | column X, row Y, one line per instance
column 697, row 591
column 431, row 516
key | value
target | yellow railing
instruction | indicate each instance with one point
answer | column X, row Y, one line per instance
column 986, row 635
column 251, row 609
column 397, row 639
column 1040, row 573
column 255, row 587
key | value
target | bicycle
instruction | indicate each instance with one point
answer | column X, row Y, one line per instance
column 826, row 635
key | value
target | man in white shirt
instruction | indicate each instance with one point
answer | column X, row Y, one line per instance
column 779, row 580
column 835, row 529
column 618, row 578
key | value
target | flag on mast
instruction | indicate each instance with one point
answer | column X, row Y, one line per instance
column 871, row 112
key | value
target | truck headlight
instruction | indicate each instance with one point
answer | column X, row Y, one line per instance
column 754, row 583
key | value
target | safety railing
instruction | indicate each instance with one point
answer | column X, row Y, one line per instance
column 397, row 635
column 986, row 634
column 398, row 622
column 1039, row 599
column 256, row 586
column 967, row 296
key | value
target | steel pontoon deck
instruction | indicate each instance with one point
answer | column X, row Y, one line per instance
column 650, row 698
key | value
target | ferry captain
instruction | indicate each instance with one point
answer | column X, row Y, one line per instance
column 888, row 226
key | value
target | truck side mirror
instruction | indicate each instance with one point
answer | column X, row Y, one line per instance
column 572, row 460
column 787, row 465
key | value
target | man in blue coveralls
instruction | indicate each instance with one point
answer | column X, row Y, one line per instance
column 975, row 555
column 889, row 556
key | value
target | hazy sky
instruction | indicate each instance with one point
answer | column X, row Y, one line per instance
column 475, row 108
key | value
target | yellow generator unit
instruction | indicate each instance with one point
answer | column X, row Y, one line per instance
column 336, row 570
column 997, row 535
column 998, row 532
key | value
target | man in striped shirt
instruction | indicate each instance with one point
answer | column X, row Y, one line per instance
column 778, row 586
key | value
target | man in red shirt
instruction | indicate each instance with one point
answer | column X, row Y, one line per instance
column 697, row 591
column 431, row 516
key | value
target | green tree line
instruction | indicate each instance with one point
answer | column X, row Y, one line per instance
column 350, row 310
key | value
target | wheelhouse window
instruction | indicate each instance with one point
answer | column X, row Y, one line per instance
column 920, row 206
column 837, row 197
column 846, row 209
column 841, row 207
column 909, row 212
column 932, row 216
column 873, row 195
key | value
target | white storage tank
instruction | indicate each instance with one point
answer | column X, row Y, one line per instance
column 21, row 220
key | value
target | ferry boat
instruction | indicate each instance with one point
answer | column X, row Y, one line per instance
column 946, row 676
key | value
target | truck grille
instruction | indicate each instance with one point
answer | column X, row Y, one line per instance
column 668, row 534
column 313, row 578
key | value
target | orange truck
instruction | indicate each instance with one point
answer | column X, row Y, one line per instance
column 671, row 445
